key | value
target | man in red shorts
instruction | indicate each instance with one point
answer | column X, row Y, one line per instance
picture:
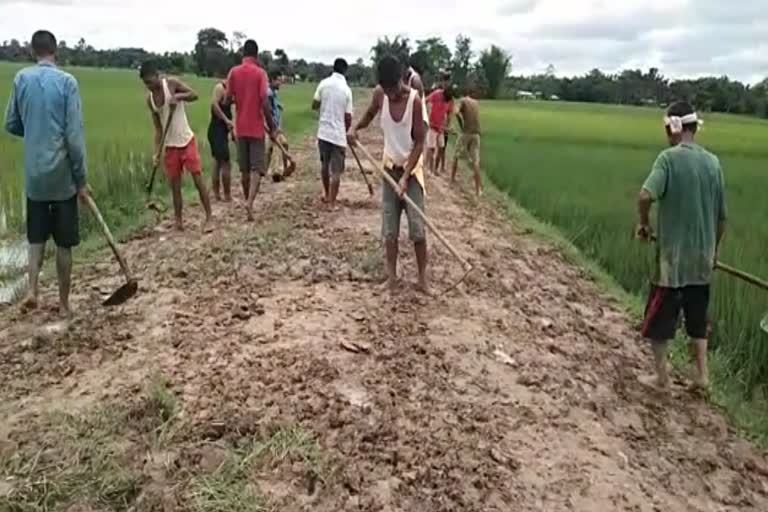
column 166, row 100
column 249, row 90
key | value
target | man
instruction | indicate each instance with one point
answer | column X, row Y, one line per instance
column 333, row 99
column 44, row 108
column 445, row 84
column 414, row 81
column 441, row 105
column 686, row 182
column 248, row 88
column 404, row 131
column 166, row 99
column 219, row 130
column 468, row 145
column 275, row 81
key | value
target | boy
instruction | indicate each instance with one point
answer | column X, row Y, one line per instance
column 165, row 101
column 686, row 182
column 275, row 81
column 404, row 130
column 468, row 145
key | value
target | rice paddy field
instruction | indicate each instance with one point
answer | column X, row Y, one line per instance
column 580, row 168
column 119, row 140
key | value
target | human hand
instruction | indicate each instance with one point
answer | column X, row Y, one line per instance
column 82, row 192
column 174, row 100
column 644, row 232
column 403, row 184
column 352, row 137
column 155, row 159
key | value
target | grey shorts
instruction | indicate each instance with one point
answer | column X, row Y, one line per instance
column 331, row 158
column 393, row 207
column 251, row 155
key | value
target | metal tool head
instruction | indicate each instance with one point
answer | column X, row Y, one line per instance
column 123, row 294
column 277, row 177
column 291, row 167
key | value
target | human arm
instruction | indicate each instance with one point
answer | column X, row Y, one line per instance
column 370, row 114
column 653, row 189
column 316, row 98
column 417, row 84
column 181, row 91
column 158, row 125
column 219, row 92
column 350, row 109
column 74, row 137
column 13, row 122
column 722, row 214
column 266, row 105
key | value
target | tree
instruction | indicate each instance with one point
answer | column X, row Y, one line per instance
column 211, row 55
column 436, row 57
column 265, row 58
column 493, row 68
column 282, row 62
column 462, row 58
column 236, row 41
column 398, row 47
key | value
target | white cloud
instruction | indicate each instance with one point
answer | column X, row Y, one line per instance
column 682, row 37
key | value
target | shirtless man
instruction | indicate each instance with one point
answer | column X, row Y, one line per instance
column 165, row 101
column 468, row 145
column 402, row 122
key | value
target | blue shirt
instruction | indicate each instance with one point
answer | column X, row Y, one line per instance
column 44, row 109
column 273, row 103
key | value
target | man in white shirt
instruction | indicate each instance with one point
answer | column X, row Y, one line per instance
column 333, row 99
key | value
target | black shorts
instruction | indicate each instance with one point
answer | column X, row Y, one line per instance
column 662, row 313
column 252, row 155
column 59, row 219
column 218, row 139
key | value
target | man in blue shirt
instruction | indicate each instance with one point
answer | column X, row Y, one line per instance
column 44, row 108
column 275, row 81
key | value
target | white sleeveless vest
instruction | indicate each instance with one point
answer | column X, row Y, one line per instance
column 398, row 138
column 179, row 133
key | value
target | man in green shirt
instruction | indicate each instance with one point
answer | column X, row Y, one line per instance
column 686, row 182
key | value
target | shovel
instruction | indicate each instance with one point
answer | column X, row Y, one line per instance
column 150, row 185
column 131, row 286
column 464, row 263
column 291, row 162
column 362, row 171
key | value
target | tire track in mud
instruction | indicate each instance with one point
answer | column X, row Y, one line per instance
column 519, row 395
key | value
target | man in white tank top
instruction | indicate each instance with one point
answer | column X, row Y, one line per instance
column 166, row 100
column 402, row 121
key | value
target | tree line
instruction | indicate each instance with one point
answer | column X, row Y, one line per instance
column 486, row 73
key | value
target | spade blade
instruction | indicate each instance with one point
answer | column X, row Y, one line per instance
column 123, row 294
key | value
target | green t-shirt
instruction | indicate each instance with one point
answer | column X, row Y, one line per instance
column 687, row 184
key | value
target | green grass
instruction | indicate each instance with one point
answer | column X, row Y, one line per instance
column 580, row 167
column 119, row 142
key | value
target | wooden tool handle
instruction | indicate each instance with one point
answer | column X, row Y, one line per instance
column 749, row 278
column 164, row 135
column 108, row 235
column 413, row 205
column 362, row 171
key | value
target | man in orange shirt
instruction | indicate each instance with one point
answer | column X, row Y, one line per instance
column 248, row 88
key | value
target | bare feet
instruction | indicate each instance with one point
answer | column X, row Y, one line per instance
column 208, row 225
column 324, row 198
column 653, row 381
column 65, row 312
column 227, row 198
column 249, row 215
column 423, row 287
column 178, row 225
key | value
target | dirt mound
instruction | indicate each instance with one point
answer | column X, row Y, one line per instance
column 263, row 368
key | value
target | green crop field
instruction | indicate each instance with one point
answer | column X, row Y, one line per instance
column 580, row 167
column 119, row 140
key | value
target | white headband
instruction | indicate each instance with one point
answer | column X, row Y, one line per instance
column 675, row 123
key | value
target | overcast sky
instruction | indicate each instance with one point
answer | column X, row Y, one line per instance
column 683, row 38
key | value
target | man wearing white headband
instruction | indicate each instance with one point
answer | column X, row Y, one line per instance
column 686, row 183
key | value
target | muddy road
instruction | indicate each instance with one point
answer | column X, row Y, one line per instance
column 263, row 367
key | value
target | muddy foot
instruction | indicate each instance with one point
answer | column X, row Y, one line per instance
column 652, row 381
column 208, row 226
column 424, row 288
column 178, row 225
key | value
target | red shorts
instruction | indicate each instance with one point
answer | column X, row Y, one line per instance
column 178, row 159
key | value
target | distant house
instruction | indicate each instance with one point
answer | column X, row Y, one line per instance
column 525, row 95
column 554, row 97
